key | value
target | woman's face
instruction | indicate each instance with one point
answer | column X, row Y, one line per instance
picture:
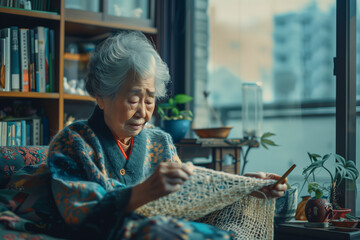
column 127, row 114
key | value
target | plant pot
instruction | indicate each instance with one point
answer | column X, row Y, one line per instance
column 340, row 213
column 318, row 210
column 285, row 206
column 176, row 128
column 300, row 210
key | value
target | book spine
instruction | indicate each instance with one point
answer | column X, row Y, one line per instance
column 17, row 133
column 36, row 131
column 9, row 142
column 28, row 132
column 41, row 58
column 23, row 132
column 15, row 68
column 36, row 47
column 13, row 134
column 52, row 59
column 2, row 63
column 6, row 34
column 47, row 59
column 24, row 59
column 31, row 43
column 4, row 134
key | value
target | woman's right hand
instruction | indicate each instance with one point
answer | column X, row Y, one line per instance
column 167, row 178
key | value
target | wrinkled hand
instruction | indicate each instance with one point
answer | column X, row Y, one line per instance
column 167, row 178
column 269, row 191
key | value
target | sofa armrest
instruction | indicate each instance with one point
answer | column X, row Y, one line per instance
column 14, row 158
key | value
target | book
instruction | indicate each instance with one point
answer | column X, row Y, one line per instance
column 2, row 63
column 23, row 132
column 41, row 84
column 15, row 66
column 11, row 133
column 31, row 41
column 36, row 58
column 17, row 133
column 4, row 134
column 24, row 59
column 47, row 77
column 28, row 132
column 8, row 133
column 52, row 59
column 36, row 131
column 5, row 33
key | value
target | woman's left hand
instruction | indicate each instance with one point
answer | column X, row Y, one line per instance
column 269, row 191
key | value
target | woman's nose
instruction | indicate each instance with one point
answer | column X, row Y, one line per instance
column 141, row 109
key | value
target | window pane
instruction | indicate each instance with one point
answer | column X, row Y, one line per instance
column 129, row 8
column 287, row 46
column 92, row 6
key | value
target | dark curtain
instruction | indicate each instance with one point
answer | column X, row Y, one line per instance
column 171, row 26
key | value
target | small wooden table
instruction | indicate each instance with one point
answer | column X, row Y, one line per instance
column 218, row 148
column 296, row 231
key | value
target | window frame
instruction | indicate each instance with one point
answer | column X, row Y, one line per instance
column 345, row 72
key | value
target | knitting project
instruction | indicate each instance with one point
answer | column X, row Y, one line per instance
column 222, row 200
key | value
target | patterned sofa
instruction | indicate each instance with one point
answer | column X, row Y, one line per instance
column 11, row 160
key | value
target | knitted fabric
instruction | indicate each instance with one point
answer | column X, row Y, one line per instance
column 220, row 199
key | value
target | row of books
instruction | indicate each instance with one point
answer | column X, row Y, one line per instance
column 27, row 59
column 41, row 5
column 24, row 132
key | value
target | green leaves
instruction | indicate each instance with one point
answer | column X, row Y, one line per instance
column 315, row 163
column 265, row 141
column 171, row 111
column 182, row 98
column 345, row 170
column 315, row 187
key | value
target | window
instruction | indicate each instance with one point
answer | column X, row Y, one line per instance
column 289, row 47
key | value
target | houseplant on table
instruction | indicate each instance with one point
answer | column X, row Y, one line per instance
column 343, row 170
column 174, row 118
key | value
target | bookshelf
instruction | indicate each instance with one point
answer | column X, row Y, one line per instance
column 70, row 25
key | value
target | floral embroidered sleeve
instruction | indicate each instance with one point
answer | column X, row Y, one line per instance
column 83, row 192
column 172, row 149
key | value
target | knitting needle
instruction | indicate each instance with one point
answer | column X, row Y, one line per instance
column 285, row 175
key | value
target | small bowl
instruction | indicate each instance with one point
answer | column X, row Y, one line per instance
column 220, row 132
column 345, row 224
column 340, row 213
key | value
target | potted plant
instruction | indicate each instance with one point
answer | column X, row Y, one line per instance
column 343, row 170
column 174, row 118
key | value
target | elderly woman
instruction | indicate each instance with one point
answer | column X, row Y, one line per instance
column 103, row 169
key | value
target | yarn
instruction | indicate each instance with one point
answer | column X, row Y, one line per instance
column 220, row 199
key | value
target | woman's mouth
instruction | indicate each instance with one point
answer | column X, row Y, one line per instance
column 136, row 126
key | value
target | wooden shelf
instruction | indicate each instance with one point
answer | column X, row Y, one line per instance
column 30, row 13
column 89, row 28
column 78, row 97
column 29, row 95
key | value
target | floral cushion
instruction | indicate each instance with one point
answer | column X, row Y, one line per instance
column 14, row 158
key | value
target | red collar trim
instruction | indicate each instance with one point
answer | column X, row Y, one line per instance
column 122, row 150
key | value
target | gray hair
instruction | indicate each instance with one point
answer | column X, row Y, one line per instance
column 118, row 58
